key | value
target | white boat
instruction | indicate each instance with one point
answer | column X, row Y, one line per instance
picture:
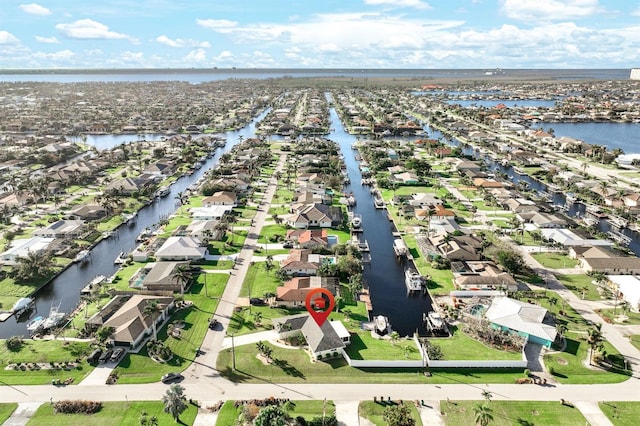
column 400, row 247
column 142, row 236
column 35, row 323
column 379, row 203
column 22, row 305
column 435, row 320
column 356, row 222
column 381, row 324
column 122, row 257
column 413, row 280
column 96, row 282
column 163, row 191
column 82, row 256
column 129, row 218
column 54, row 319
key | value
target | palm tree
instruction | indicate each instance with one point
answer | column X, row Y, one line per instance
column 487, row 395
column 174, row 401
column 561, row 329
column 482, row 414
column 34, row 266
column 594, row 340
column 150, row 310
column 257, row 318
column 182, row 274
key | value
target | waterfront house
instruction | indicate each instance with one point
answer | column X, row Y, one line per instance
column 528, row 320
column 126, row 186
column 62, row 229
column 87, row 212
column 407, row 178
column 568, row 238
column 327, row 340
column 454, row 247
column 314, row 215
column 209, row 213
column 22, row 247
column 125, row 313
column 204, row 229
column 303, row 262
column 293, row 293
column 181, row 248
column 542, row 220
column 161, row 167
column 487, row 183
column 481, row 275
column 309, row 238
column 160, row 276
column 221, row 198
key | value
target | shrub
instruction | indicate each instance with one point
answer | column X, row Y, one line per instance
column 14, row 344
column 77, row 407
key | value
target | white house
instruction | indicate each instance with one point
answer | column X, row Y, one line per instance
column 181, row 248
column 629, row 287
column 22, row 247
column 210, row 213
column 522, row 318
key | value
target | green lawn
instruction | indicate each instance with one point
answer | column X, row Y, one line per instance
column 259, row 281
column 43, row 351
column 139, row 368
column 112, row 413
column 568, row 367
column 462, row 347
column 554, row 260
column 363, row 346
column 633, row 318
column 621, row 413
column 441, row 281
column 296, row 367
column 513, row 413
column 270, row 231
column 635, row 340
column 228, row 414
column 5, row 411
column 374, row 412
column 576, row 283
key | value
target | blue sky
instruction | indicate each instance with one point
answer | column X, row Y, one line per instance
column 320, row 34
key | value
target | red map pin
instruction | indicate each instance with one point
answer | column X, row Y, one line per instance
column 320, row 304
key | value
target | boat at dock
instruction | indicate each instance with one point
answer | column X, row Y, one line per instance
column 435, row 320
column 22, row 305
column 163, row 191
column 34, row 324
column 143, row 235
column 400, row 248
column 82, row 256
column 379, row 203
column 381, row 325
column 129, row 218
column 122, row 257
column 96, row 282
column 413, row 280
column 356, row 221
column 54, row 319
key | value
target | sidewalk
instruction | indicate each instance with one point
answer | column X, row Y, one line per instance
column 22, row 414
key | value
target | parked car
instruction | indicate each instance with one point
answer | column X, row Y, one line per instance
column 171, row 377
column 94, row 357
column 287, row 244
column 213, row 324
column 117, row 354
column 105, row 356
column 257, row 301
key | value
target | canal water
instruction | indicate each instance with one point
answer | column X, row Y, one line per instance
column 65, row 288
column 385, row 274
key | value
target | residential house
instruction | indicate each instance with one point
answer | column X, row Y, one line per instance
column 181, row 248
column 125, row 313
column 486, row 183
column 161, row 168
column 458, row 247
column 569, row 238
column 324, row 341
column 162, row 276
column 528, row 320
column 601, row 259
column 407, row 178
column 125, row 186
column 62, row 229
column 221, row 198
column 314, row 215
column 302, row 262
column 542, row 220
column 87, row 212
column 628, row 287
column 209, row 213
column 204, row 229
column 293, row 293
column 21, row 247
column 520, row 205
column 481, row 275
column 309, row 238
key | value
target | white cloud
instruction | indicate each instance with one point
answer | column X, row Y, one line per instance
column 89, row 29
column 636, row 12
column 217, row 24
column 50, row 40
column 549, row 10
column 62, row 55
column 8, row 38
column 399, row 3
column 180, row 42
column 35, row 9
column 196, row 56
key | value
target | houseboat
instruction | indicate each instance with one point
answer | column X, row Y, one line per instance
column 413, row 280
